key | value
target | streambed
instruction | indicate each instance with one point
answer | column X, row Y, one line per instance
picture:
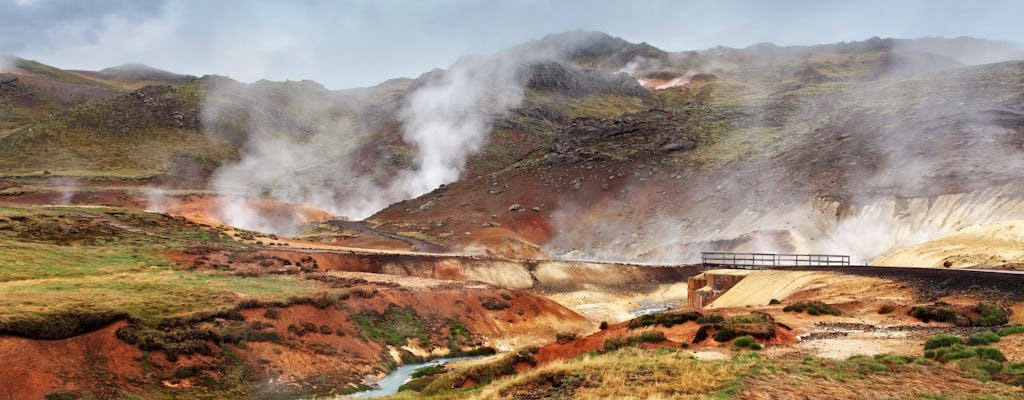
column 390, row 384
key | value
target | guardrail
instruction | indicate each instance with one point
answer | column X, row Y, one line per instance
column 769, row 260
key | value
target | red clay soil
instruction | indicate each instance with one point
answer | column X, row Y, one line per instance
column 117, row 198
column 676, row 335
column 95, row 362
column 99, row 364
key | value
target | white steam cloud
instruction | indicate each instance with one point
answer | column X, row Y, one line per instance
column 312, row 150
column 6, row 64
column 448, row 119
column 920, row 160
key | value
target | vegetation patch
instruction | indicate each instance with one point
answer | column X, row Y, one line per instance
column 942, row 340
column 666, row 319
column 651, row 336
column 981, row 339
column 394, row 327
column 812, row 308
column 988, row 314
column 1010, row 330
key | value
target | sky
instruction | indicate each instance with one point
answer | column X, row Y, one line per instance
column 354, row 43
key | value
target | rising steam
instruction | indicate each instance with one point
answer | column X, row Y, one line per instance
column 921, row 162
column 308, row 150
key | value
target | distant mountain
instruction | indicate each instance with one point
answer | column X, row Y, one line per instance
column 625, row 150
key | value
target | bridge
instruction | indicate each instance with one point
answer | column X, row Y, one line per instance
column 771, row 260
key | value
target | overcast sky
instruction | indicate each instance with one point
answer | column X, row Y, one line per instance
column 349, row 43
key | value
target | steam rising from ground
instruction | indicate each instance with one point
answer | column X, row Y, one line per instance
column 925, row 157
column 448, row 119
column 308, row 151
column 6, row 64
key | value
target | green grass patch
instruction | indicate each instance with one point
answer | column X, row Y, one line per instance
column 981, row 339
column 812, row 308
column 665, row 319
column 1011, row 330
column 394, row 327
column 942, row 340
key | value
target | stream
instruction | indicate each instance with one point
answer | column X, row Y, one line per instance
column 389, row 384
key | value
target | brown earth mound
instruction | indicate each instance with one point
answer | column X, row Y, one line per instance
column 295, row 347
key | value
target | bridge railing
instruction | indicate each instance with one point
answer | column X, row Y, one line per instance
column 769, row 260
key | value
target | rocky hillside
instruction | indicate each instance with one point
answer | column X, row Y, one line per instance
column 852, row 148
column 577, row 145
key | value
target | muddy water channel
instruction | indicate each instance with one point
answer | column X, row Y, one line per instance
column 390, row 384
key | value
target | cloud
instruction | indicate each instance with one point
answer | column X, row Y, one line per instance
column 347, row 44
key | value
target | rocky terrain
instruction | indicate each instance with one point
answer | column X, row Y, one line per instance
column 172, row 236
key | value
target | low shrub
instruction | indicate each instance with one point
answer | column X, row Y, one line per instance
column 886, row 309
column 664, row 319
column 652, row 336
column 960, row 352
column 428, row 370
column 934, row 313
column 744, row 341
column 724, row 335
column 564, row 337
column 710, row 319
column 812, row 308
column 991, row 315
column 1010, row 330
column 942, row 340
column 981, row 339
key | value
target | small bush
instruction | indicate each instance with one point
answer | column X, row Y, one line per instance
column 653, row 336
column 1010, row 330
column 564, row 337
column 942, row 340
column 934, row 313
column 774, row 302
column 756, row 346
column 960, row 352
column 428, row 370
column 981, row 339
column 710, row 319
column 664, row 319
column 812, row 308
column 271, row 314
column 744, row 341
column 886, row 309
column 980, row 369
column 603, row 326
column 724, row 335
column 990, row 353
column 991, row 315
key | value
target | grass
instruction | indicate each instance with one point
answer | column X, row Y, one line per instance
column 394, row 327
column 813, row 308
column 62, row 274
column 942, row 340
column 625, row 373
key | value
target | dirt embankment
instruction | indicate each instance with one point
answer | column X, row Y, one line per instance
column 991, row 245
column 601, row 291
column 320, row 345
